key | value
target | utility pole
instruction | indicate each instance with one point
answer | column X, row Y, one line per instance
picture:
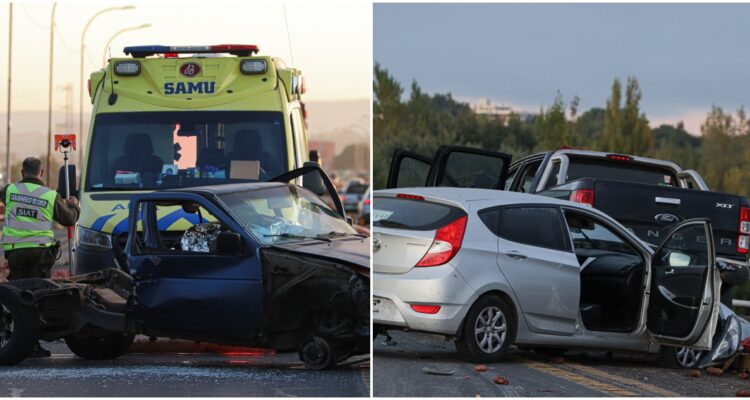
column 7, row 113
column 49, row 98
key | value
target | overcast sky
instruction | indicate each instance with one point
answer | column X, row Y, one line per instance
column 686, row 57
column 330, row 40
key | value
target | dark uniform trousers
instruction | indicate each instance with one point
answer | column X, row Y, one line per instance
column 33, row 262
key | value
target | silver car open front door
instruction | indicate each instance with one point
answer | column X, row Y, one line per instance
column 684, row 288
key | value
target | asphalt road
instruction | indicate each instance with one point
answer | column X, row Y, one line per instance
column 181, row 369
column 402, row 370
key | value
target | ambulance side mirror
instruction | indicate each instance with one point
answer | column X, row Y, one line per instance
column 71, row 183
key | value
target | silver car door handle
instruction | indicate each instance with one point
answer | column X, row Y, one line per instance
column 516, row 255
column 669, row 271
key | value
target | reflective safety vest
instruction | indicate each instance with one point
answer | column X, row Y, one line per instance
column 29, row 213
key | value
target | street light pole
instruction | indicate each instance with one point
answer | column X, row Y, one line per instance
column 49, row 97
column 118, row 33
column 7, row 113
column 81, row 88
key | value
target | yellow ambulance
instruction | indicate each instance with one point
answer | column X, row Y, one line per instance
column 182, row 116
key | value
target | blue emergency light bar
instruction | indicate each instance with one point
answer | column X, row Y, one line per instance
column 240, row 50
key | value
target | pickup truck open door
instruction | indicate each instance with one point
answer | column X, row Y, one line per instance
column 683, row 295
column 452, row 166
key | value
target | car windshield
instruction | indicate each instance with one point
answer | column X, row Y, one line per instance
column 286, row 213
column 161, row 150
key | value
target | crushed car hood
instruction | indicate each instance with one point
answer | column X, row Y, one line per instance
column 350, row 250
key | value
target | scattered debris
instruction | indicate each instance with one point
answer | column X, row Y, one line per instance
column 559, row 360
column 432, row 371
column 743, row 375
column 499, row 380
column 743, row 393
column 694, row 373
column 713, row 371
column 389, row 341
column 480, row 368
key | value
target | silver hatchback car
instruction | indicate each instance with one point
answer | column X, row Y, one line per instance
column 491, row 268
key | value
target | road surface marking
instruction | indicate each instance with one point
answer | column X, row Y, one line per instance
column 626, row 381
column 603, row 387
column 16, row 392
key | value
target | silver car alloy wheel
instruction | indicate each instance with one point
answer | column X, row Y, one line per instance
column 6, row 325
column 687, row 357
column 489, row 329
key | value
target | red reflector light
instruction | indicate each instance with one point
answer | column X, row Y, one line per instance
column 425, row 309
column 744, row 214
column 367, row 202
column 583, row 196
column 619, row 157
column 171, row 55
column 409, row 196
column 342, row 197
column 447, row 242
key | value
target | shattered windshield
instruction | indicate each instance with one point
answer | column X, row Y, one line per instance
column 286, row 213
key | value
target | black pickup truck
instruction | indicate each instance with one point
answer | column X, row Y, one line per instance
column 646, row 195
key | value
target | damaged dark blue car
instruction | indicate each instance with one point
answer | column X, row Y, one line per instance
column 268, row 264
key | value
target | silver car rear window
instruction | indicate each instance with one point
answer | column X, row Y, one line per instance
column 412, row 214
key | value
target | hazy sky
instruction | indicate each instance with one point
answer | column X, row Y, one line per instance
column 332, row 41
column 685, row 57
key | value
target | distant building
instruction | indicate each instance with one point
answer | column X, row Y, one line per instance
column 487, row 107
column 326, row 152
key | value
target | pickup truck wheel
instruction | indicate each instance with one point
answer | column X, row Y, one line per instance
column 19, row 330
column 488, row 330
column 103, row 348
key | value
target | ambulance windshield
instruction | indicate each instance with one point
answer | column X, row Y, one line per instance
column 162, row 150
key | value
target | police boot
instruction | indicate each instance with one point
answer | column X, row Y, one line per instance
column 40, row 351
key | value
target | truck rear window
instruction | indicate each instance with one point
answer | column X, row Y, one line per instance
column 162, row 150
column 625, row 171
column 418, row 215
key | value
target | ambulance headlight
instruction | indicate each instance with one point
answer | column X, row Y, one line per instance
column 127, row 68
column 93, row 238
column 253, row 67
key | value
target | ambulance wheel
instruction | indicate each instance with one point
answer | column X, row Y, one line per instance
column 316, row 353
column 19, row 330
column 101, row 348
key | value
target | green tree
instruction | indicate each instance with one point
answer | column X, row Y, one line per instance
column 626, row 129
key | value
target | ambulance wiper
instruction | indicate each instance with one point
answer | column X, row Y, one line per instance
column 293, row 236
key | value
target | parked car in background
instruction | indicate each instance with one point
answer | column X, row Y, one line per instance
column 363, row 209
column 492, row 268
column 353, row 194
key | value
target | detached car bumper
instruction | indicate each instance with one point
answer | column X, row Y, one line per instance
column 443, row 286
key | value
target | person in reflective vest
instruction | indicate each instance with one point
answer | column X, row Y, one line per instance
column 28, row 238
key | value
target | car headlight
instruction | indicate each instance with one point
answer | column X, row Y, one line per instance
column 93, row 238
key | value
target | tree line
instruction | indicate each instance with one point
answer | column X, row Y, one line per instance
column 422, row 122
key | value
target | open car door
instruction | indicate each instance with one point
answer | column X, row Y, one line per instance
column 408, row 170
column 683, row 303
column 315, row 180
column 453, row 166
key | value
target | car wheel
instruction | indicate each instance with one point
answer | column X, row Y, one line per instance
column 316, row 353
column 680, row 357
column 488, row 330
column 19, row 330
column 100, row 348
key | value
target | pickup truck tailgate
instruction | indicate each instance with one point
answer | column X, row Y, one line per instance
column 649, row 210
